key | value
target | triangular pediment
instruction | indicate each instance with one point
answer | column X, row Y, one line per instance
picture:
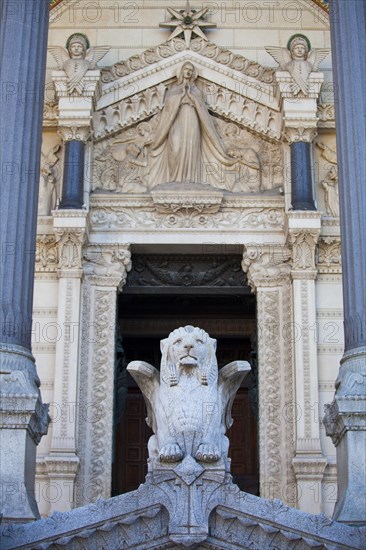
column 239, row 89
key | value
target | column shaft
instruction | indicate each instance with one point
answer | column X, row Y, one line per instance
column 23, row 418
column 24, row 28
column 348, row 23
column 73, row 182
column 345, row 417
column 302, row 196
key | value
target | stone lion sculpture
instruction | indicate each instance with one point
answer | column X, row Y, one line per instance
column 189, row 402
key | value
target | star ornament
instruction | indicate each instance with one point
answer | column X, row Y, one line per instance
column 188, row 22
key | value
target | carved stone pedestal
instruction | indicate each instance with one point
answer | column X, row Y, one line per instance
column 345, row 423
column 23, row 421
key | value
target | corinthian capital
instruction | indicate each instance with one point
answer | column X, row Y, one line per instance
column 107, row 265
column 266, row 265
column 74, row 133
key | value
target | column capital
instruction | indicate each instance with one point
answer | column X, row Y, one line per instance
column 294, row 134
column 107, row 264
column 74, row 133
column 266, row 265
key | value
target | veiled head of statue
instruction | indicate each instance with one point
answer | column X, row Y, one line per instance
column 77, row 38
column 187, row 72
column 188, row 351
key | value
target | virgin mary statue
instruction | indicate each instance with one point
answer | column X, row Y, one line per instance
column 186, row 139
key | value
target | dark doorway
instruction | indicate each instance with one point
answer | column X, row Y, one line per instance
column 148, row 312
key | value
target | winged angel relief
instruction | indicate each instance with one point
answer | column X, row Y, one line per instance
column 299, row 60
column 76, row 59
column 189, row 401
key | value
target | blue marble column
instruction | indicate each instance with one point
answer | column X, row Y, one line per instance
column 23, row 47
column 345, row 418
column 302, row 196
column 73, row 181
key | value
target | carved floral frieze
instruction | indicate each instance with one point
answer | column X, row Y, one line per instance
column 113, row 218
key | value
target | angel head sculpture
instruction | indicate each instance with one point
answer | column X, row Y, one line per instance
column 76, row 59
column 189, row 402
column 299, row 60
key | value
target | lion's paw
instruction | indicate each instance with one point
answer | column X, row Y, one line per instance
column 170, row 453
column 207, row 453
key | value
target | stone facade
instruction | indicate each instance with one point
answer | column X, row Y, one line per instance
column 292, row 258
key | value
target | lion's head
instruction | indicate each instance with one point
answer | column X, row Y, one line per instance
column 188, row 350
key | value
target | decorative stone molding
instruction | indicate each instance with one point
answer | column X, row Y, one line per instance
column 220, row 516
column 72, row 133
column 142, row 219
column 186, row 198
column 199, row 45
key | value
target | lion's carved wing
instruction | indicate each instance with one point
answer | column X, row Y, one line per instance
column 148, row 379
column 230, row 378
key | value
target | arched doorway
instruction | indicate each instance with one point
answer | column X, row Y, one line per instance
column 161, row 294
